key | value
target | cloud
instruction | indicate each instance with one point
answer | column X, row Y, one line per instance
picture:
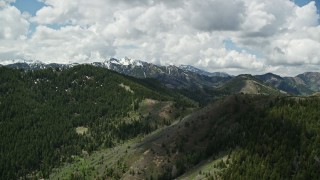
column 305, row 16
column 232, row 61
column 215, row 15
column 168, row 32
column 298, row 44
column 289, row 42
column 14, row 24
column 72, row 43
column 5, row 2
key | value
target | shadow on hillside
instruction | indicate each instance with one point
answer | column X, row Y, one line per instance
column 258, row 132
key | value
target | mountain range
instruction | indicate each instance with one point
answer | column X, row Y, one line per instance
column 190, row 80
column 99, row 121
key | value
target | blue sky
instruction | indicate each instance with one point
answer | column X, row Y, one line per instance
column 30, row 6
column 304, row 2
column 230, row 45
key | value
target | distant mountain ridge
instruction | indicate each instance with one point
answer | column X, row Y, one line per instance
column 302, row 84
column 172, row 76
column 202, row 72
column 248, row 84
column 124, row 65
column 193, row 79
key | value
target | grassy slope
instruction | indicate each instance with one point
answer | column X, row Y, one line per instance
column 211, row 142
column 204, row 169
column 248, row 84
column 145, row 157
column 156, row 154
column 114, row 162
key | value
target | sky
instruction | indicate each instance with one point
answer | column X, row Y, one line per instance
column 233, row 36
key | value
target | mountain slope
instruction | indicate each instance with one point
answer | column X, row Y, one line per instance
column 50, row 116
column 202, row 72
column 247, row 84
column 172, row 76
column 191, row 83
column 292, row 85
column 309, row 79
column 227, row 140
column 37, row 65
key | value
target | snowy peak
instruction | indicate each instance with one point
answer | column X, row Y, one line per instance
column 131, row 67
column 124, row 62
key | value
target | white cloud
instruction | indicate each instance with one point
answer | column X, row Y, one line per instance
column 231, row 61
column 305, row 16
column 168, row 32
column 70, row 43
column 297, row 45
column 13, row 23
column 289, row 42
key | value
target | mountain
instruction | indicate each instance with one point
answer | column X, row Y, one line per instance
column 200, row 88
column 125, row 66
column 226, row 140
column 172, row 76
column 195, row 83
column 48, row 116
column 309, row 79
column 37, row 65
column 202, row 72
column 247, row 84
column 299, row 85
column 89, row 122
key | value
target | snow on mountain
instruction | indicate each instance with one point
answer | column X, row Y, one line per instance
column 183, row 76
column 13, row 61
column 124, row 65
column 124, row 62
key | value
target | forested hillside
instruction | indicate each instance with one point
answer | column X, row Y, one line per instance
column 239, row 137
column 256, row 137
column 88, row 122
column 278, row 140
column 50, row 116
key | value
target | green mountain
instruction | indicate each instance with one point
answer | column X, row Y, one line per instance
column 247, row 84
column 88, row 122
column 189, row 81
column 50, row 116
column 238, row 137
